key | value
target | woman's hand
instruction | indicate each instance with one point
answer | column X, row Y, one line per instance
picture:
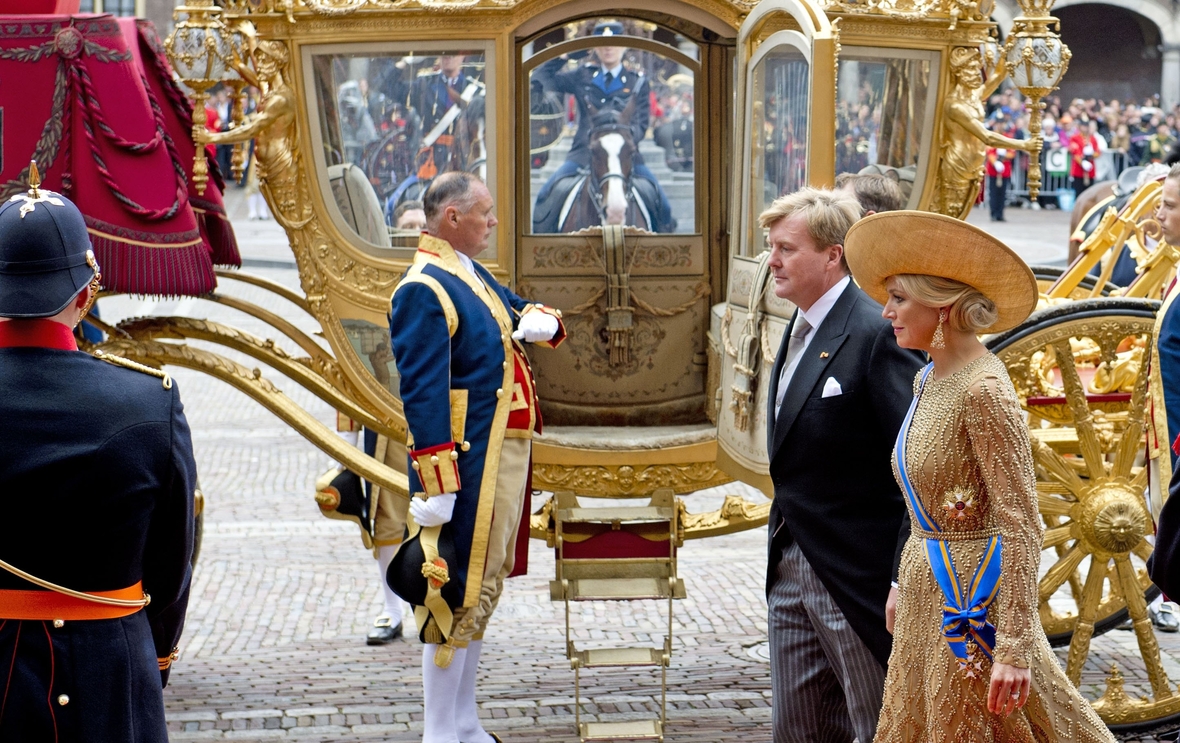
column 1009, row 689
column 891, row 609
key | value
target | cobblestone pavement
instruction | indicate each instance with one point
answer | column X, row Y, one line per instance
column 274, row 644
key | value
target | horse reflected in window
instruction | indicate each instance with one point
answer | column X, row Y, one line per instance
column 605, row 193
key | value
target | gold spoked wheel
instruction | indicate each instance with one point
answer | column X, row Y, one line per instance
column 1047, row 275
column 1079, row 369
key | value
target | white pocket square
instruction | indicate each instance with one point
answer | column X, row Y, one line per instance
column 832, row 388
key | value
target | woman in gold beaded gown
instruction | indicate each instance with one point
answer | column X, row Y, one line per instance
column 970, row 661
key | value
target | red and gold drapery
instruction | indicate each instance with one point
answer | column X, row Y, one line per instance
column 75, row 101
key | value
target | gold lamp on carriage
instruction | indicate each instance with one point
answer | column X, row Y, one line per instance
column 202, row 52
column 1037, row 60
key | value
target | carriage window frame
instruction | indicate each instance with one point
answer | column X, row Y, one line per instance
column 530, row 63
column 879, row 53
column 757, row 236
column 403, row 247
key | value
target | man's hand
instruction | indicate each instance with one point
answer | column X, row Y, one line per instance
column 1009, row 689
column 433, row 511
column 536, row 326
column 891, row 609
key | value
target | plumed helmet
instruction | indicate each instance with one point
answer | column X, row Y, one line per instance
column 46, row 258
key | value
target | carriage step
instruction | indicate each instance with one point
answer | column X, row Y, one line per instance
column 617, row 515
column 630, row 730
column 622, row 589
column 607, row 657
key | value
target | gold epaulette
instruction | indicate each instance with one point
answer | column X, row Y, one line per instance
column 135, row 366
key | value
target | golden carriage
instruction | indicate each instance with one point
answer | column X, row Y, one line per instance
column 659, row 391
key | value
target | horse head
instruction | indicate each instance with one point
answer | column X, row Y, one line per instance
column 612, row 152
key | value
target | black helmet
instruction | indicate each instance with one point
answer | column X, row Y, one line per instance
column 45, row 254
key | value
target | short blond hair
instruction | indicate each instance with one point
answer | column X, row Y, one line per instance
column 829, row 214
column 970, row 310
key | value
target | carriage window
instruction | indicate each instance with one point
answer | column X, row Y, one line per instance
column 611, row 130
column 883, row 114
column 779, row 104
column 391, row 122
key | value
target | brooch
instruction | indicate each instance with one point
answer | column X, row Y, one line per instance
column 958, row 503
column 972, row 665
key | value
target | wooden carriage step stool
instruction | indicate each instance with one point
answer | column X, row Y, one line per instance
column 617, row 553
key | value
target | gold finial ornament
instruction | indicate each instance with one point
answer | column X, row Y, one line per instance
column 34, row 178
column 35, row 195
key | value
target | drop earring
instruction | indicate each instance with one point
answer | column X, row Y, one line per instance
column 939, row 340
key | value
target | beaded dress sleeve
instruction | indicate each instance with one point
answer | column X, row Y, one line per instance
column 999, row 438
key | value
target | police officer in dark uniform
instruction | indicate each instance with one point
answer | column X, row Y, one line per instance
column 439, row 98
column 606, row 85
column 96, row 487
column 433, row 97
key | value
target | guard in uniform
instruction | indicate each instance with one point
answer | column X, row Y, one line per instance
column 606, row 85
column 439, row 99
column 96, row 487
column 471, row 409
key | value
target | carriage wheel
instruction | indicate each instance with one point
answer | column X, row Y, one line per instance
column 1079, row 371
column 1047, row 275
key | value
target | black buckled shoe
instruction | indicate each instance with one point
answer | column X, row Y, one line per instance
column 1165, row 618
column 384, row 631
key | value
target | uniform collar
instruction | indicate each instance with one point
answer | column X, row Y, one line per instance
column 37, row 333
column 435, row 250
column 438, row 249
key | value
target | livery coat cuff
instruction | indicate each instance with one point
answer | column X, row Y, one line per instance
column 559, row 336
column 437, row 468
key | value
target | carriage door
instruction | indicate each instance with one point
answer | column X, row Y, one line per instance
column 614, row 221
column 783, row 125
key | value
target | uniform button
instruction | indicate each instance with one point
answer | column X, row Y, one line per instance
column 500, row 393
column 59, row 623
column 505, row 365
column 63, row 699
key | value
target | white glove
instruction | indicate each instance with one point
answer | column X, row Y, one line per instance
column 1002, row 152
column 536, row 326
column 1087, row 166
column 434, row 511
column 1088, row 151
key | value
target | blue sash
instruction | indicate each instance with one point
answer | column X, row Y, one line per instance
column 964, row 618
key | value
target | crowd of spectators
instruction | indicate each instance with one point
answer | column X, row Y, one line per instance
column 1086, row 140
column 1102, row 138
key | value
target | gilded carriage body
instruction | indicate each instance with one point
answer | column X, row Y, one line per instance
column 663, row 281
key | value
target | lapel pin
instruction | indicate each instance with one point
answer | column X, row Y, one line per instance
column 823, row 354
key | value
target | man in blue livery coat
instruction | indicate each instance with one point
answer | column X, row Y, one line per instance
column 96, row 487
column 1164, row 430
column 471, row 409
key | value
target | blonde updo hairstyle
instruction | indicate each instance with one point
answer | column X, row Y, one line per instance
column 970, row 310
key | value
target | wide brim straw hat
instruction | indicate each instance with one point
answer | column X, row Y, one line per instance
column 913, row 242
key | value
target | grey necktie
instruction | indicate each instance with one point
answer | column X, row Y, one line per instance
column 794, row 346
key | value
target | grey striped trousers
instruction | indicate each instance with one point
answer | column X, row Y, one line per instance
column 827, row 686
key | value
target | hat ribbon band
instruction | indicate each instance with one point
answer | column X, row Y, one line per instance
column 42, row 266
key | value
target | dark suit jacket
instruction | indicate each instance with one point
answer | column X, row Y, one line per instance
column 1164, row 563
column 834, row 491
column 96, row 488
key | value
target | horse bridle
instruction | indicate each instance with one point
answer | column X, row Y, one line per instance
column 597, row 183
